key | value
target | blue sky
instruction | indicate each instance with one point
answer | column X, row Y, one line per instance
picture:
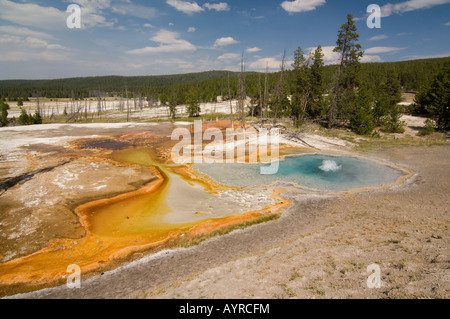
column 134, row 37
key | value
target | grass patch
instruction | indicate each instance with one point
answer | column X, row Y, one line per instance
column 371, row 144
column 289, row 291
column 226, row 230
column 294, row 275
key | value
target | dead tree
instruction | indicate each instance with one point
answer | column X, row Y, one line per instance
column 241, row 92
column 280, row 92
column 128, row 104
column 266, row 91
column 231, row 102
column 99, row 105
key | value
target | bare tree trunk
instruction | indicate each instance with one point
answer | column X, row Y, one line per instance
column 334, row 103
column 280, row 89
column 99, row 105
column 38, row 107
column 260, row 94
column 72, row 106
column 266, row 90
column 231, row 102
column 128, row 104
column 241, row 90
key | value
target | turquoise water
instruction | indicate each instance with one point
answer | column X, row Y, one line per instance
column 322, row 172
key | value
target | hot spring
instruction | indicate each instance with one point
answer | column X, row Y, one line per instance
column 319, row 172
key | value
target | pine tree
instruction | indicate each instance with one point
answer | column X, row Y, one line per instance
column 439, row 98
column 349, row 67
column 300, row 96
column 163, row 99
column 361, row 118
column 37, row 118
column 24, row 118
column 281, row 101
column 173, row 106
column 4, row 107
column 386, row 111
column 192, row 98
column 317, row 103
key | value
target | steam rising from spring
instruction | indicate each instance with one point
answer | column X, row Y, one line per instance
column 330, row 166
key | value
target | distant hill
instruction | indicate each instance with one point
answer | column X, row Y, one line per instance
column 101, row 83
column 413, row 75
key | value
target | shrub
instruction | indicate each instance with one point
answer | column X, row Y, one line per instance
column 430, row 127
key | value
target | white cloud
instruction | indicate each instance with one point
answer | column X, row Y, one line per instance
column 330, row 57
column 447, row 24
column 91, row 12
column 225, row 41
column 185, row 6
column 32, row 15
column 370, row 58
column 193, row 7
column 192, row 29
column 248, row 14
column 301, row 5
column 252, row 50
column 378, row 50
column 29, row 42
column 148, row 25
column 222, row 6
column 273, row 64
column 169, row 42
column 94, row 4
column 16, row 56
column 379, row 37
column 410, row 5
column 139, row 11
column 22, row 31
column 50, row 18
column 431, row 56
column 177, row 63
column 30, row 48
column 229, row 56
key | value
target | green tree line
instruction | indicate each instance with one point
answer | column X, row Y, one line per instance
column 413, row 76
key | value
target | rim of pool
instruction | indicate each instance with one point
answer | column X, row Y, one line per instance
column 319, row 172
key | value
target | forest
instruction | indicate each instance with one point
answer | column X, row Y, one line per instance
column 359, row 96
column 413, row 75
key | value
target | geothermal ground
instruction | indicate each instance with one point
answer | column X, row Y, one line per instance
column 320, row 247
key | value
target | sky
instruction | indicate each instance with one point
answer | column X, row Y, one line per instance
column 135, row 37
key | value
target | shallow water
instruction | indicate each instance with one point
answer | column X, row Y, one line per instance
column 321, row 172
column 130, row 222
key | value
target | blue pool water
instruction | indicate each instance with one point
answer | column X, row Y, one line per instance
column 322, row 172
